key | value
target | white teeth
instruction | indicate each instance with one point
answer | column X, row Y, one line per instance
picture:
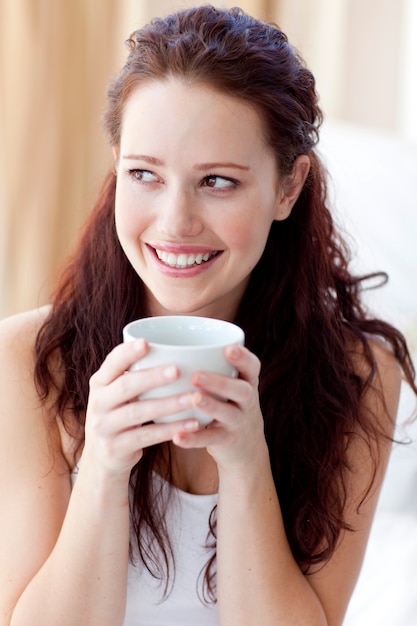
column 182, row 260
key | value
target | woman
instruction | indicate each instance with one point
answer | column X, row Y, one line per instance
column 217, row 207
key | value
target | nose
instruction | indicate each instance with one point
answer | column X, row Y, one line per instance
column 178, row 214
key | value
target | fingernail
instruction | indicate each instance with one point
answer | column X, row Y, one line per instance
column 234, row 352
column 170, row 372
column 185, row 400
column 201, row 379
column 201, row 400
column 138, row 345
column 192, row 425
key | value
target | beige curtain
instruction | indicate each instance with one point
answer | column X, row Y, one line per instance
column 355, row 50
column 55, row 57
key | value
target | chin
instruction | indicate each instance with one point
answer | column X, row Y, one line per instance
column 176, row 307
column 186, row 302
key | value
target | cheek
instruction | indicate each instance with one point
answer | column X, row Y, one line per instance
column 246, row 243
column 127, row 216
column 247, row 235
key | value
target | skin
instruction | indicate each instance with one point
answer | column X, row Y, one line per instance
column 61, row 564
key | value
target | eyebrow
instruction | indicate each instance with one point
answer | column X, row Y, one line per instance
column 143, row 157
column 200, row 166
column 211, row 166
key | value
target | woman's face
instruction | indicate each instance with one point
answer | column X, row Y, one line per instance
column 197, row 191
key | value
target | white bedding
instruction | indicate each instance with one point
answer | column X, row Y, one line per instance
column 386, row 593
column 375, row 187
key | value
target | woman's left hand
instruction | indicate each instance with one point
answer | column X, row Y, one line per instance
column 236, row 434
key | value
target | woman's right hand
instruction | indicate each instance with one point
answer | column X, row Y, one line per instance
column 117, row 421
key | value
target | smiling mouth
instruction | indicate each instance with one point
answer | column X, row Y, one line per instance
column 181, row 261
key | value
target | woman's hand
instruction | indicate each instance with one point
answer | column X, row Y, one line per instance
column 236, row 434
column 117, row 428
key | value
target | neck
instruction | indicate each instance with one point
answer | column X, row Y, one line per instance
column 193, row 471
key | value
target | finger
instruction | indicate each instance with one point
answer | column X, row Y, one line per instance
column 211, row 436
column 247, row 364
column 130, row 385
column 238, row 391
column 153, row 434
column 137, row 413
column 118, row 361
column 224, row 412
column 126, row 448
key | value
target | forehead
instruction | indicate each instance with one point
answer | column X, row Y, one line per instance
column 176, row 109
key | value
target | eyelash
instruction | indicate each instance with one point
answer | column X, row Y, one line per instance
column 133, row 173
column 233, row 183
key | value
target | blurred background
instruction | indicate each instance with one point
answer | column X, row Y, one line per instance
column 56, row 57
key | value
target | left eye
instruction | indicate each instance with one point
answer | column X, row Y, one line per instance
column 218, row 182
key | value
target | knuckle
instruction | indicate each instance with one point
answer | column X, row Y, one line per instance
column 234, row 422
column 148, row 436
column 94, row 380
column 132, row 413
column 123, row 384
column 246, row 391
column 257, row 366
column 109, row 359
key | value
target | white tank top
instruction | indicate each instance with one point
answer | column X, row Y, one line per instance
column 187, row 523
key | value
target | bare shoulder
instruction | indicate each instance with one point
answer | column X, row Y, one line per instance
column 383, row 395
column 34, row 316
column 383, row 352
column 34, row 476
column 19, row 398
column 369, row 451
column 22, row 412
column 17, row 340
column 27, row 427
column 18, row 332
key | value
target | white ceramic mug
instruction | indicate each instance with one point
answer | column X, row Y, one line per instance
column 189, row 342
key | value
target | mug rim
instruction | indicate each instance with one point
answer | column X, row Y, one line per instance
column 238, row 335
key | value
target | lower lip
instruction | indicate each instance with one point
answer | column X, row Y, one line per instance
column 186, row 272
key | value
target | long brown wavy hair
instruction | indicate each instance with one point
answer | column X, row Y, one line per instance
column 301, row 312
